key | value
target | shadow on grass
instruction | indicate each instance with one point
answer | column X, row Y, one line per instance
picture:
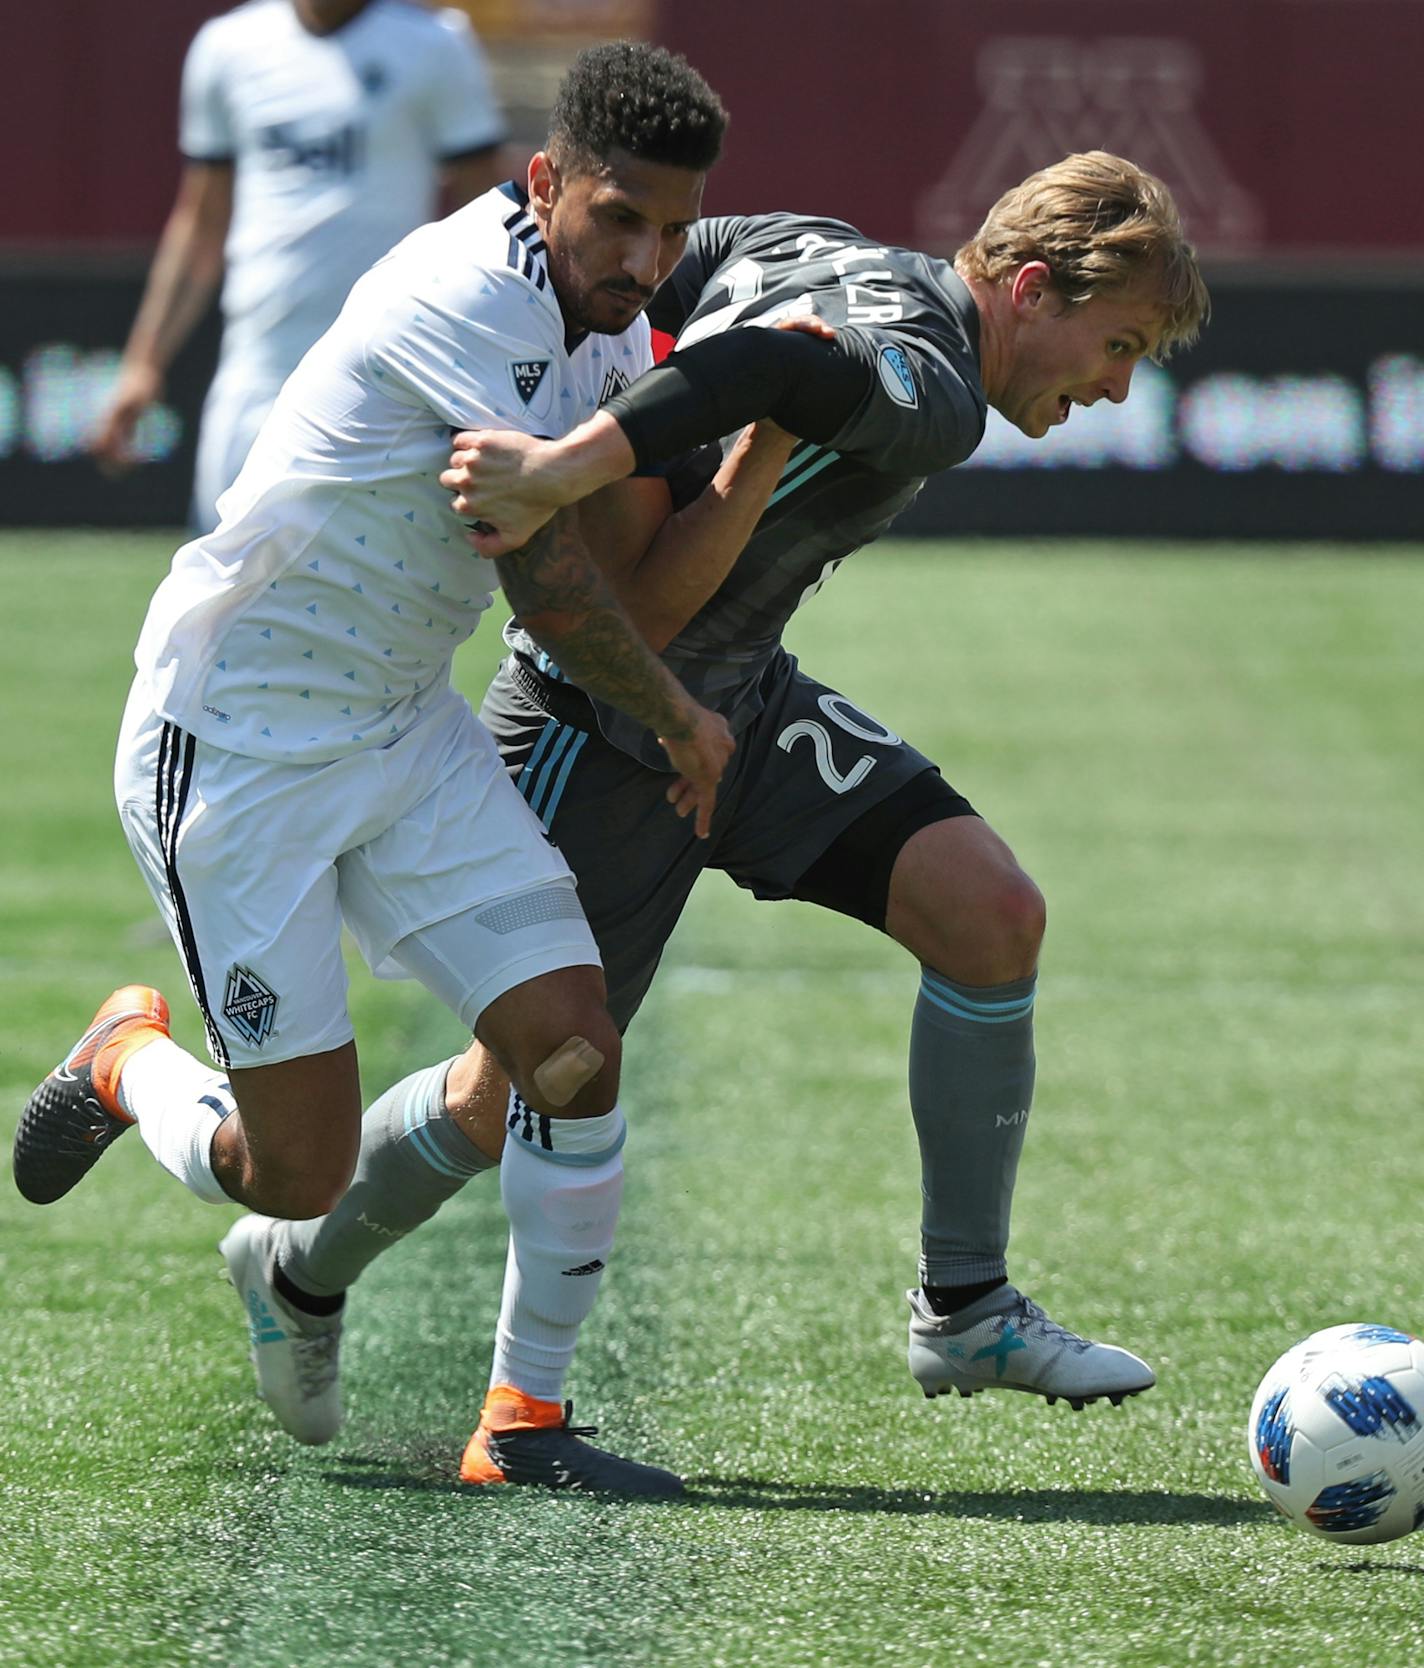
column 429, row 1474
column 1365, row 1567
column 1004, row 1505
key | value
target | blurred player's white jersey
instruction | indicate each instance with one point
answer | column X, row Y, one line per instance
column 337, row 142
column 328, row 603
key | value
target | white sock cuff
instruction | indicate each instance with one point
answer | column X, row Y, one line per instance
column 568, row 1140
column 178, row 1103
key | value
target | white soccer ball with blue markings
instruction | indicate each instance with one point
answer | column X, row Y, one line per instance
column 1337, row 1433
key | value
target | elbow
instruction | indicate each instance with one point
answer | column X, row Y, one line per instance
column 555, row 629
column 549, row 626
column 657, row 634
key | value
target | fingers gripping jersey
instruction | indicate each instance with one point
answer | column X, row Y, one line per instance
column 911, row 322
column 326, row 607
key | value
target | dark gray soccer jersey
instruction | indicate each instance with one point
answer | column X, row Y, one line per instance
column 912, row 323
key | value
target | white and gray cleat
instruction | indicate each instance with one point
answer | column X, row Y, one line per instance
column 1004, row 1341
column 296, row 1356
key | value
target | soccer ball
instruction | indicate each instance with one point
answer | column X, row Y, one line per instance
column 1337, row 1433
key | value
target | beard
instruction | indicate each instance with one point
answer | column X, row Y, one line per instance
column 605, row 306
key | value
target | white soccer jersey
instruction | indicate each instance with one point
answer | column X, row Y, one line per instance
column 337, row 141
column 330, row 600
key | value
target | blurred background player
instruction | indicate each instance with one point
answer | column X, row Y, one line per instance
column 1076, row 276
column 315, row 134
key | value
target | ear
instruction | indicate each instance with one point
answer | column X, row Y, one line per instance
column 543, row 184
column 1031, row 287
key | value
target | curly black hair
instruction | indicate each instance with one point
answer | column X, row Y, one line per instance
column 645, row 100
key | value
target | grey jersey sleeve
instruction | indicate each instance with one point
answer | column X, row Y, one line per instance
column 920, row 413
column 899, row 389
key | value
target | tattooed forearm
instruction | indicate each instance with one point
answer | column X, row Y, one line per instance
column 566, row 605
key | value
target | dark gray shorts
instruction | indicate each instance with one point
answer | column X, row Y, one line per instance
column 807, row 768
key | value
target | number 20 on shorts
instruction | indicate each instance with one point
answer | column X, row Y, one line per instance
column 853, row 723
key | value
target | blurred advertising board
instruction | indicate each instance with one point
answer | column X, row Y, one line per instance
column 62, row 326
column 1300, row 414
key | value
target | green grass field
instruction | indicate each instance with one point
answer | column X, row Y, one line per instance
column 1210, row 760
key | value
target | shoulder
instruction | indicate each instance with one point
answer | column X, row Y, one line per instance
column 231, row 31
column 500, row 239
column 223, row 49
column 471, row 269
column 418, row 28
column 453, row 23
column 794, row 236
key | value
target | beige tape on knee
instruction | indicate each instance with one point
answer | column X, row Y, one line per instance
column 568, row 1068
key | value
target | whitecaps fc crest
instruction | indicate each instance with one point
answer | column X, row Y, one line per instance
column 250, row 1005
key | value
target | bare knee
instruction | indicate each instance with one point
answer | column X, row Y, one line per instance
column 961, row 904
column 573, row 1070
column 558, row 1045
column 1017, row 920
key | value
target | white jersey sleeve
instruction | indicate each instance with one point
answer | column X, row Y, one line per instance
column 205, row 124
column 464, row 113
column 488, row 359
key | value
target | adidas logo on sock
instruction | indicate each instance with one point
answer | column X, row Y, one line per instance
column 262, row 1323
column 586, row 1268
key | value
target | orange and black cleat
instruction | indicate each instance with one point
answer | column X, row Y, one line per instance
column 523, row 1440
column 74, row 1116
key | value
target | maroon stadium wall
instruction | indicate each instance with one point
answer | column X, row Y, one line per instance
column 1287, row 128
column 90, row 119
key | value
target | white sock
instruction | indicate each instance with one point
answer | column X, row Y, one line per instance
column 177, row 1102
column 562, row 1181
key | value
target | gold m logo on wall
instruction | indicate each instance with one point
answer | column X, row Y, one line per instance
column 1044, row 96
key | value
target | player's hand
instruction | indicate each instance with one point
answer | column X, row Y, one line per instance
column 809, row 324
column 111, row 446
column 768, row 439
column 502, row 486
column 701, row 757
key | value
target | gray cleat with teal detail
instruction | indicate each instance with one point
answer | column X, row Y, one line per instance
column 297, row 1357
column 1006, row 1342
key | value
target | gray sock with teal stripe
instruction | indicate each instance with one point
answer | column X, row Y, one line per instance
column 414, row 1157
column 971, row 1086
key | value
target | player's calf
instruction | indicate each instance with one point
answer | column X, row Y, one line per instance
column 291, row 1150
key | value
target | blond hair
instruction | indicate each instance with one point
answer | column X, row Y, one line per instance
column 1101, row 225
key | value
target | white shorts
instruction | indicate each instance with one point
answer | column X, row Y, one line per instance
column 424, row 849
